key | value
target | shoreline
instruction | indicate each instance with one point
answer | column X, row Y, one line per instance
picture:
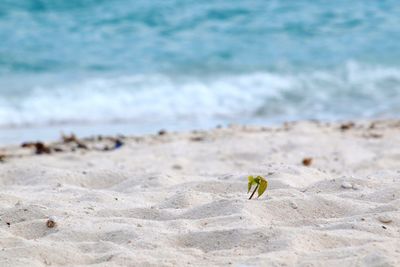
column 16, row 135
column 173, row 199
column 52, row 133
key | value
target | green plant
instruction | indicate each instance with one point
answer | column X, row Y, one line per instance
column 260, row 183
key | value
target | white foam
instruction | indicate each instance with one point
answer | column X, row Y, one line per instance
column 352, row 91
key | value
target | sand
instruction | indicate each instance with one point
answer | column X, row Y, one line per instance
column 180, row 199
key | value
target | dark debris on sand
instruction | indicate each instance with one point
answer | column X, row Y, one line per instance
column 39, row 147
column 307, row 161
column 347, row 126
column 71, row 143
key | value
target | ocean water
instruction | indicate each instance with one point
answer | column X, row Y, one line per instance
column 142, row 65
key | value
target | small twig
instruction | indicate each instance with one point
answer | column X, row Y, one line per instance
column 252, row 194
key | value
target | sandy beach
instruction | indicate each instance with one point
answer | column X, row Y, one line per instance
column 180, row 199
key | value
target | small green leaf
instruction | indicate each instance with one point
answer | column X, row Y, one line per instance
column 263, row 186
column 250, row 184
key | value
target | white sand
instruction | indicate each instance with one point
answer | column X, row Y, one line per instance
column 180, row 200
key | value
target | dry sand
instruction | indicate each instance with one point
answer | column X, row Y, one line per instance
column 181, row 200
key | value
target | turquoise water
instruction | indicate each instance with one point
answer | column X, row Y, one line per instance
column 197, row 63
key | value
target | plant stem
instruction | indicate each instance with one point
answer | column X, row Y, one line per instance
column 252, row 194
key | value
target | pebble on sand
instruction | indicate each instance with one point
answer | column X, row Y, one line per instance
column 385, row 219
column 307, row 161
column 347, row 185
column 51, row 222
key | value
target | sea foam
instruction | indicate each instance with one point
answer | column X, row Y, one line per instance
column 246, row 97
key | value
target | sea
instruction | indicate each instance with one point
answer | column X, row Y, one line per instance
column 138, row 66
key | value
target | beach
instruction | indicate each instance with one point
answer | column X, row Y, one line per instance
column 199, row 133
column 180, row 199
